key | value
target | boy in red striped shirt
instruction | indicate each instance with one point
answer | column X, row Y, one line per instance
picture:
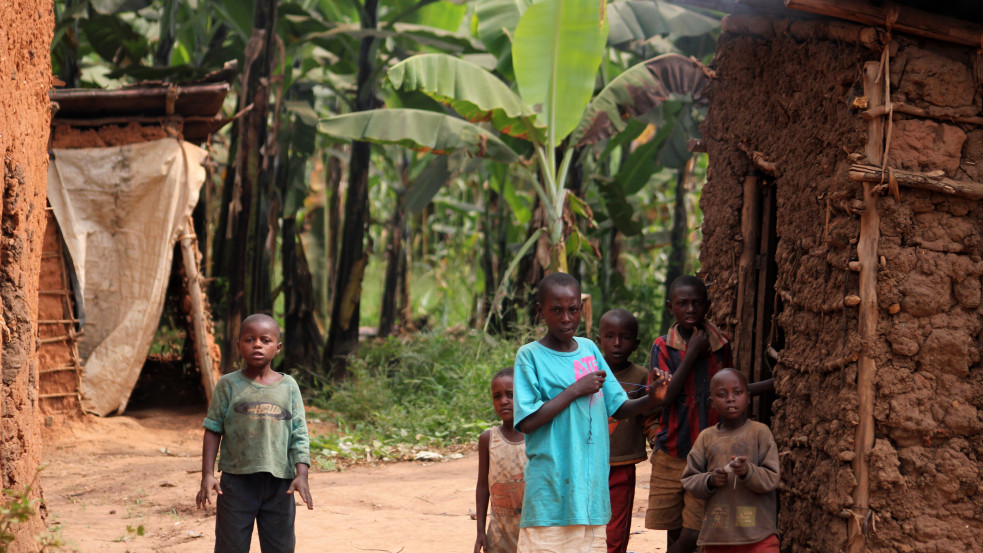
column 693, row 350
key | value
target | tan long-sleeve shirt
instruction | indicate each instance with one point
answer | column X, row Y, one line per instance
column 745, row 512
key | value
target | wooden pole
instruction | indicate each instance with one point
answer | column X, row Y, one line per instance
column 587, row 313
column 867, row 323
column 769, row 27
column 746, row 273
column 203, row 356
column 936, row 113
column 900, row 18
column 934, row 181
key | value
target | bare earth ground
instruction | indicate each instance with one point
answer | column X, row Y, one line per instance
column 102, row 476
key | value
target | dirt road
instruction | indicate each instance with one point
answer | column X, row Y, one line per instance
column 105, row 479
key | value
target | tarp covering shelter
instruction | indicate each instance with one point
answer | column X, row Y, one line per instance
column 121, row 210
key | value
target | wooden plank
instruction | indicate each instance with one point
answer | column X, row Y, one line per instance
column 746, row 273
column 762, row 312
column 899, row 18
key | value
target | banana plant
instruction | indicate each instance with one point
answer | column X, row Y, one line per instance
column 556, row 52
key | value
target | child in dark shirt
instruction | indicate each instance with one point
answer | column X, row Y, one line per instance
column 619, row 339
column 257, row 416
column 692, row 351
column 734, row 467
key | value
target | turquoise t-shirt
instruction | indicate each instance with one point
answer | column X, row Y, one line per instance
column 567, row 472
column 263, row 428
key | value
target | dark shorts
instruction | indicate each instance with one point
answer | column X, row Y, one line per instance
column 259, row 497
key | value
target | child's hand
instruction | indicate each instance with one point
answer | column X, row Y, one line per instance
column 738, row 464
column 659, row 385
column 480, row 544
column 718, row 478
column 698, row 343
column 208, row 483
column 588, row 384
column 300, row 486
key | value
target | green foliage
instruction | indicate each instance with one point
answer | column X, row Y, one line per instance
column 404, row 396
column 17, row 508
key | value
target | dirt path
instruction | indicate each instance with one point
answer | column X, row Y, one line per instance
column 103, row 476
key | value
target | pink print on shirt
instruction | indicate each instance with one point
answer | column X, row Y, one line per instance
column 585, row 366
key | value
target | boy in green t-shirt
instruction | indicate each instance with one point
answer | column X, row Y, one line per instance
column 257, row 416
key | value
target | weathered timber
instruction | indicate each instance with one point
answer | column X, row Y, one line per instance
column 934, row 113
column 747, row 276
column 867, row 319
column 203, row 357
column 900, row 18
column 770, row 27
column 934, row 181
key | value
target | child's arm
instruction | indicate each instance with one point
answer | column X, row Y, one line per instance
column 697, row 346
column 762, row 387
column 300, row 485
column 652, row 401
column 481, row 492
column 764, row 476
column 209, row 450
column 588, row 384
column 696, row 479
column 299, row 449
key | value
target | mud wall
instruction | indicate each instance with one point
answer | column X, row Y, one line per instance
column 25, row 77
column 791, row 100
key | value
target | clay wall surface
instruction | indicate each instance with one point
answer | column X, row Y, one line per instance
column 791, row 100
column 25, row 77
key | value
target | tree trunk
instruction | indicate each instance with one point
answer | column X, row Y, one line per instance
column 394, row 253
column 332, row 222
column 242, row 257
column 677, row 236
column 343, row 332
column 302, row 339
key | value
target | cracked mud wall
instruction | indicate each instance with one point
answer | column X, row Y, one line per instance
column 791, row 100
column 25, row 77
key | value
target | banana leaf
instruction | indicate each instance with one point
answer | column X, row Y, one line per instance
column 425, row 131
column 472, row 92
column 637, row 91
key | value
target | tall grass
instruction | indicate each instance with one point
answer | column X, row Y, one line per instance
column 407, row 395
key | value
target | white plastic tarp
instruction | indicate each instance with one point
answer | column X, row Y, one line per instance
column 121, row 210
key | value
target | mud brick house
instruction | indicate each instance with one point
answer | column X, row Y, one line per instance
column 843, row 246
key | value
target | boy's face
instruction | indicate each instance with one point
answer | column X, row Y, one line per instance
column 619, row 339
column 259, row 342
column 689, row 306
column 560, row 311
column 728, row 396
column 501, row 389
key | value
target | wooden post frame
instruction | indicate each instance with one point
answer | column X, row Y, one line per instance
column 747, row 273
column 867, row 320
column 189, row 258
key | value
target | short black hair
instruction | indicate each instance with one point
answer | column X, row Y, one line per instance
column 621, row 316
column 259, row 317
column 688, row 281
column 507, row 371
column 740, row 375
column 553, row 281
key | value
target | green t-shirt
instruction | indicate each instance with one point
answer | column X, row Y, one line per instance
column 263, row 427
